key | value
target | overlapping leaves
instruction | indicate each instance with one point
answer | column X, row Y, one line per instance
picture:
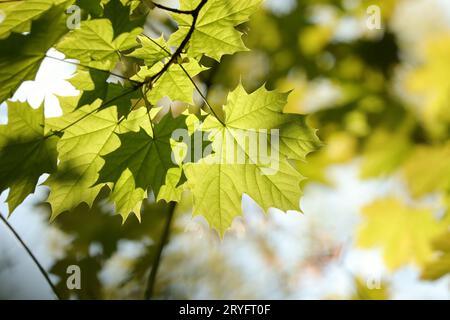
column 18, row 15
column 80, row 150
column 215, row 34
column 140, row 164
column 22, row 54
column 111, row 137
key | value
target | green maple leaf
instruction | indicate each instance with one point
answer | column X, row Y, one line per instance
column 218, row 184
column 94, row 44
column 21, row 55
column 80, row 150
column 139, row 164
column 119, row 13
column 25, row 152
column 94, row 85
column 215, row 34
column 92, row 7
column 174, row 83
column 151, row 50
column 410, row 243
column 20, row 14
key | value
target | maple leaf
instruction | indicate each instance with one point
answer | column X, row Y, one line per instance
column 151, row 50
column 94, row 85
column 215, row 34
column 25, row 152
column 404, row 233
column 176, row 83
column 21, row 55
column 218, row 185
column 91, row 135
column 92, row 7
column 119, row 12
column 20, row 14
column 140, row 163
column 94, row 44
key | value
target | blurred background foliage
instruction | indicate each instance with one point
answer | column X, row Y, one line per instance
column 380, row 99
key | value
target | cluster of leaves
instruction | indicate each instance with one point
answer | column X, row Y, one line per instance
column 113, row 135
column 368, row 120
column 114, row 143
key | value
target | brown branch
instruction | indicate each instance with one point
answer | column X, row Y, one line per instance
column 193, row 82
column 155, row 77
column 163, row 7
column 183, row 44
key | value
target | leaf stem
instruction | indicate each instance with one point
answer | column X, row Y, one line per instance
column 164, row 238
column 193, row 82
column 32, row 256
column 148, row 106
column 155, row 77
column 203, row 96
column 94, row 111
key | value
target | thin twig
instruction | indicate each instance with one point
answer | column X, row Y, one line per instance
column 155, row 77
column 163, row 7
column 32, row 256
column 183, row 44
column 203, row 96
column 148, row 106
column 164, row 238
column 94, row 111
column 193, row 82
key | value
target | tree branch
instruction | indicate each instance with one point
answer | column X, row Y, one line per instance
column 155, row 77
column 163, row 7
column 203, row 96
column 193, row 82
column 164, row 238
column 35, row 260
column 94, row 111
column 183, row 44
